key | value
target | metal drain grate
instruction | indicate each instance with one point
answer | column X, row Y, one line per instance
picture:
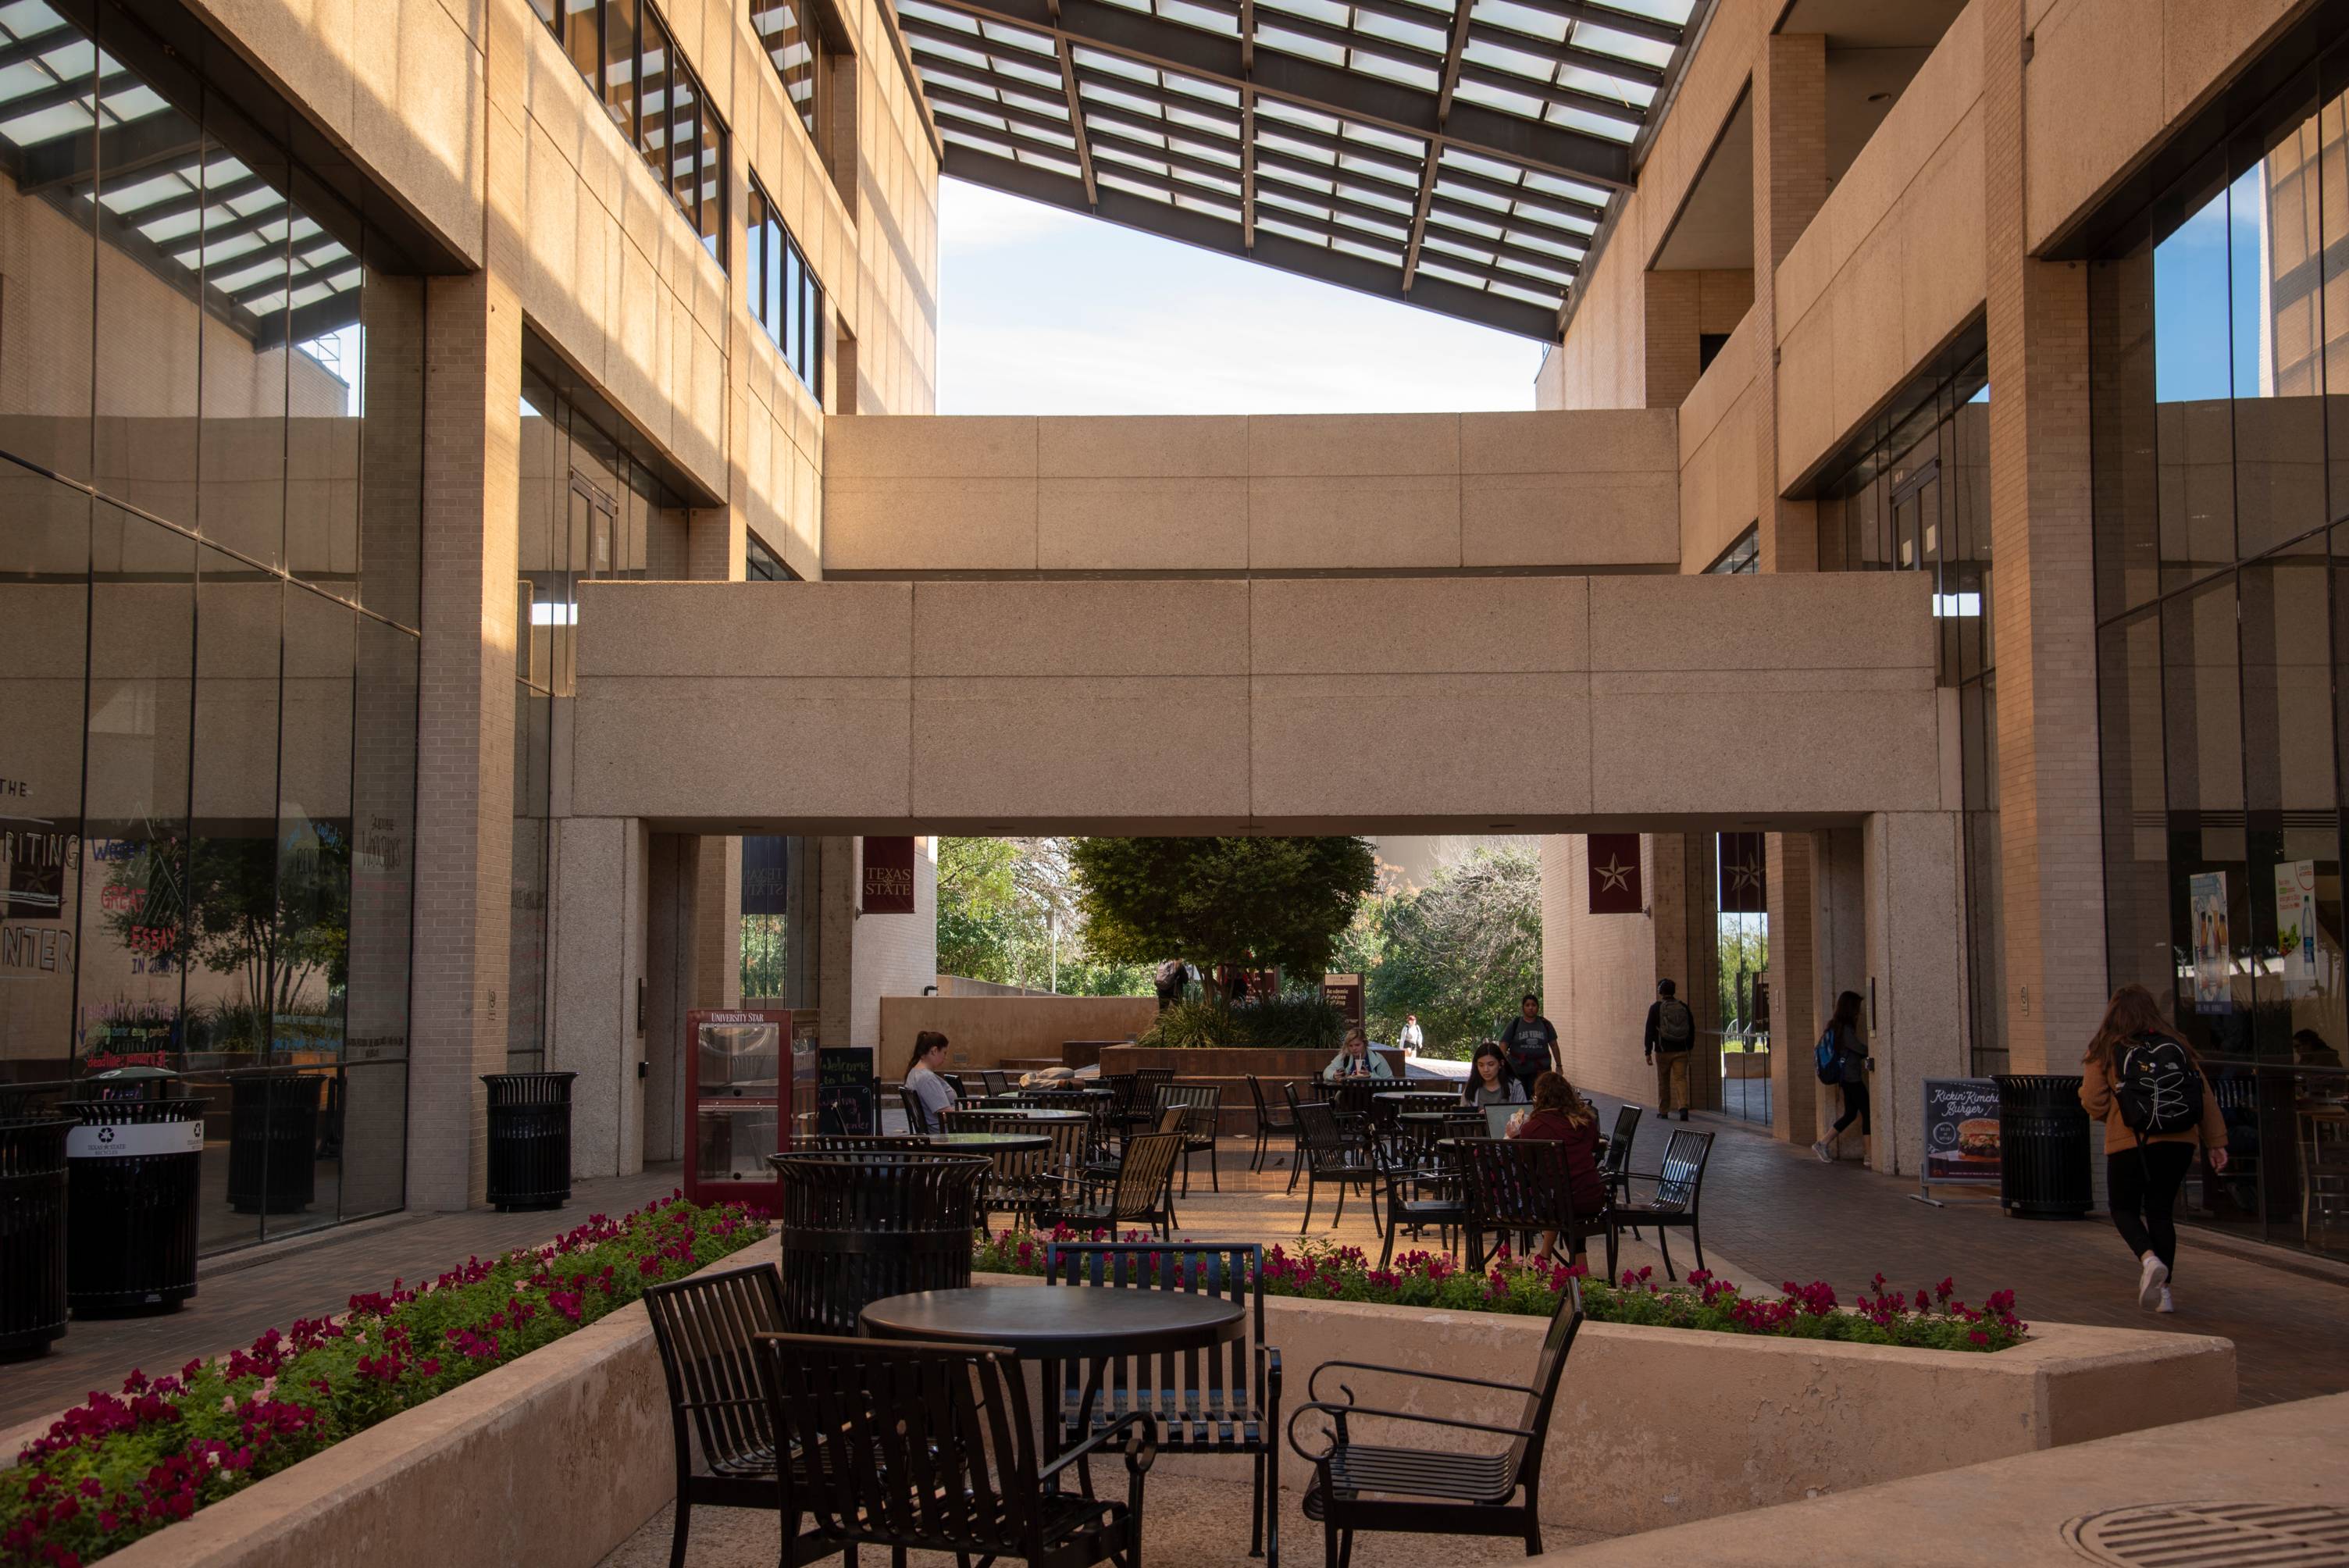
column 2215, row 1535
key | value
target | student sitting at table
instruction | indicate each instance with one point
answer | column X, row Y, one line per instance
column 1356, row 1059
column 1489, row 1081
column 922, row 1080
column 1563, row 1116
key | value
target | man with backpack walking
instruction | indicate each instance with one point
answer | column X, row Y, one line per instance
column 1671, row 1034
column 2143, row 1081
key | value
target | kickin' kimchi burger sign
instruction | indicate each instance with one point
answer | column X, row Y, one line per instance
column 888, row 876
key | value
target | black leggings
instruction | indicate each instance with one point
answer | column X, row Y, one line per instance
column 1854, row 1107
column 2141, row 1186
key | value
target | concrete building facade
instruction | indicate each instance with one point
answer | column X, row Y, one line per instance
column 472, row 468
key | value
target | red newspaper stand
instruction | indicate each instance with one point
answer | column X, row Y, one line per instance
column 751, row 1080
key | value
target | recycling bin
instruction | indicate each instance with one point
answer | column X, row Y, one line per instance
column 133, row 1174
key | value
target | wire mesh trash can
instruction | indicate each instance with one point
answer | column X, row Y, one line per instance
column 32, row 1232
column 273, row 1139
column 530, row 1139
column 133, row 1173
column 857, row 1227
column 2043, row 1138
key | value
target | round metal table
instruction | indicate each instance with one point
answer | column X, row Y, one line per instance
column 1033, row 1114
column 1058, row 1323
column 989, row 1142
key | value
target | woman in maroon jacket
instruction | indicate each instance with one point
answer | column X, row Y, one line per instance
column 1563, row 1116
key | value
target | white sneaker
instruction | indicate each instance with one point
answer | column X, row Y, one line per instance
column 2150, row 1280
column 2167, row 1304
column 1822, row 1149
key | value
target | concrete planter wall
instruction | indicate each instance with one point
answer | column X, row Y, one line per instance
column 1229, row 1066
column 560, row 1456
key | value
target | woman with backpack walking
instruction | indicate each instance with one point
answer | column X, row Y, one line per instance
column 1843, row 1061
column 2144, row 1082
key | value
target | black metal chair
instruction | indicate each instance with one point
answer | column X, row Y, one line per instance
column 1336, row 1152
column 1295, row 1095
column 918, row 1114
column 1520, row 1185
column 703, row 1325
column 1142, row 1192
column 859, row 1226
column 932, row 1448
column 1225, row 1399
column 1434, row 1492
column 1615, row 1168
column 1424, row 1187
column 1203, row 1107
column 1269, row 1123
column 1673, row 1201
column 1351, row 1097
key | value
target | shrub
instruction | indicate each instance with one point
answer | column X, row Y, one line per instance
column 118, row 1469
column 1294, row 1022
column 1321, row 1270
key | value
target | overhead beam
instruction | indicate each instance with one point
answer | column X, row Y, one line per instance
column 1327, row 90
column 1275, row 250
column 1076, row 114
column 1454, row 44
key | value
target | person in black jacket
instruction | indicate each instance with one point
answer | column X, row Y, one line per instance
column 1671, row 1034
column 1531, row 1043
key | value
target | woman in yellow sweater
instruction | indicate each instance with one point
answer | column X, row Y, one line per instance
column 2141, row 1079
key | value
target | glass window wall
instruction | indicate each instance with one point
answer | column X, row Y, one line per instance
column 2218, row 382
column 623, row 51
column 207, row 605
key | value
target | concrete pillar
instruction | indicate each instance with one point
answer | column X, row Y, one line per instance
column 464, row 789
column 2043, row 596
column 598, row 944
column 836, row 941
column 1795, row 1020
column 1790, row 184
column 1916, row 945
column 671, row 861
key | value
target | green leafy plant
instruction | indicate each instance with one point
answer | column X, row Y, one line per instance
column 1458, row 952
column 122, row 1467
column 1933, row 1319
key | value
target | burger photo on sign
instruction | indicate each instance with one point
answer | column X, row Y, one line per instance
column 1978, row 1139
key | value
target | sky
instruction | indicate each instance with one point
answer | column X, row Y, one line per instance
column 1043, row 311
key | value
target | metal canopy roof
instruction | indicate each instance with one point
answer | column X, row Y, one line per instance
column 1458, row 155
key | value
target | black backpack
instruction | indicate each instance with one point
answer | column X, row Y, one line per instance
column 2158, row 1085
column 1675, row 1024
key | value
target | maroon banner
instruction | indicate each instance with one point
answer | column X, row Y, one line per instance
column 1744, row 874
column 1615, row 874
column 888, row 876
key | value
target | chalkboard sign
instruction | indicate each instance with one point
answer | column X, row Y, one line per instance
column 845, row 1098
column 1960, row 1131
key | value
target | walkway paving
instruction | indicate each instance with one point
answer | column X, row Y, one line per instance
column 240, row 1295
column 1775, row 1207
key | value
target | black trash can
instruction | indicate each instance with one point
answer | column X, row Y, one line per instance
column 2043, row 1138
column 530, row 1139
column 32, row 1233
column 858, row 1227
column 273, row 1139
column 134, row 1170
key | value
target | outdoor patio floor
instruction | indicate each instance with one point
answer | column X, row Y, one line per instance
column 1188, row 1519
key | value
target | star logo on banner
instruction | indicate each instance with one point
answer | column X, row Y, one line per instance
column 1743, row 878
column 1615, row 877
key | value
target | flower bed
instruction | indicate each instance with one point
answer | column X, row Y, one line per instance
column 120, row 1468
column 1931, row 1319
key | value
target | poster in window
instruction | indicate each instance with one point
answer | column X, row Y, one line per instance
column 2206, row 905
column 2295, row 891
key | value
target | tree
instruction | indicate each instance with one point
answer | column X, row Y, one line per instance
column 1460, row 951
column 1007, row 914
column 1260, row 902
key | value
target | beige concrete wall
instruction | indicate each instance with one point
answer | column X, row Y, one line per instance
column 1892, row 266
column 1719, row 462
column 2108, row 78
column 1202, row 705
column 1599, row 973
column 1263, row 493
column 895, row 954
column 987, row 1031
